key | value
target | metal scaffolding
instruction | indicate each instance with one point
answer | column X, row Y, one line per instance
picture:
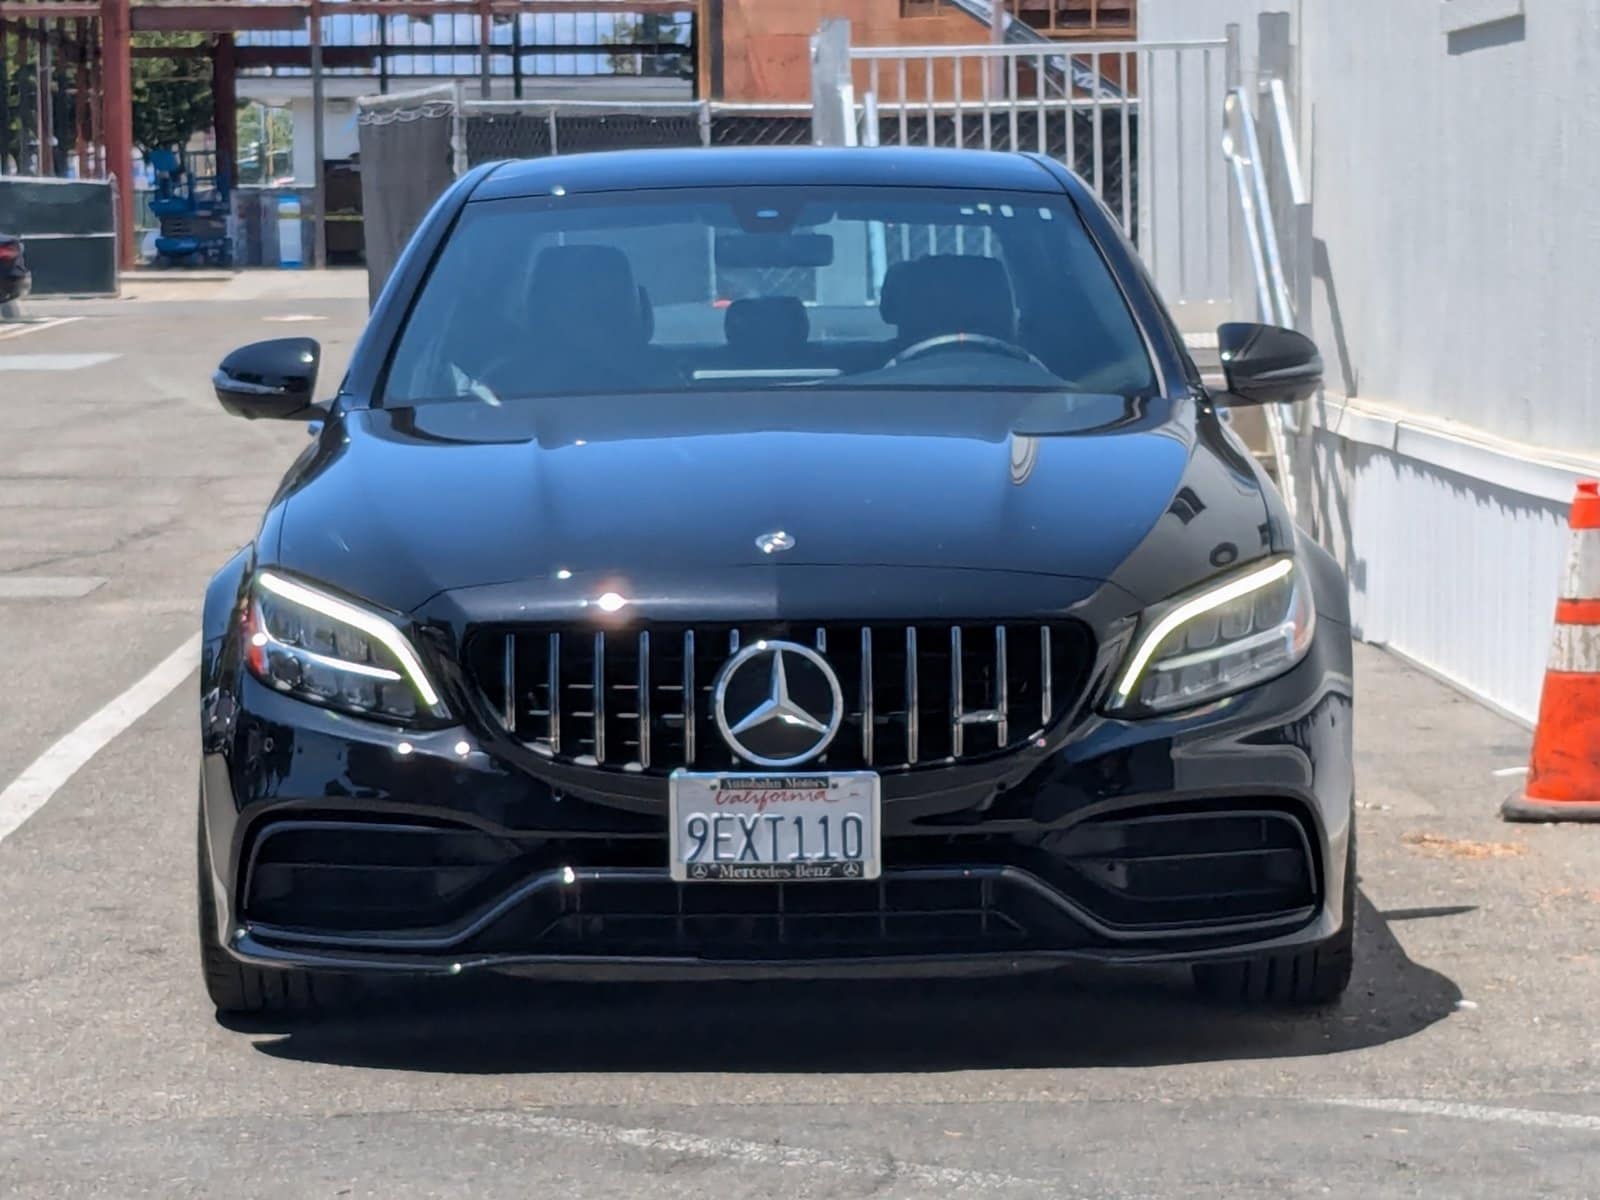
column 79, row 53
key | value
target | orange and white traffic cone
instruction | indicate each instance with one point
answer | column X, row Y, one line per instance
column 1564, row 774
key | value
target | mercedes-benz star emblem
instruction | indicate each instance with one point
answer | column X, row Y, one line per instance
column 778, row 703
column 771, row 543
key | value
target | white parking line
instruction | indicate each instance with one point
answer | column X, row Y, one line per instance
column 751, row 1153
column 1539, row 1117
column 29, row 792
column 33, row 327
column 53, row 362
column 48, row 587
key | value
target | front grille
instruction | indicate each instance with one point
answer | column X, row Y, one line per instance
column 914, row 695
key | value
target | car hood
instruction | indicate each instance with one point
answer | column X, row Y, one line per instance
column 625, row 493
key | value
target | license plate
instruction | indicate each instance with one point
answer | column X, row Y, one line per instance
column 761, row 828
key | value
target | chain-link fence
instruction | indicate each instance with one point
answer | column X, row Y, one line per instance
column 502, row 129
column 413, row 145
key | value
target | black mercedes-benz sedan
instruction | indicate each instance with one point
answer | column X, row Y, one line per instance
column 773, row 562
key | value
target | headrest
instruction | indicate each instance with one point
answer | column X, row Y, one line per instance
column 767, row 325
column 949, row 293
column 586, row 291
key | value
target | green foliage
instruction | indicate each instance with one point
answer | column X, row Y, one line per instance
column 19, row 91
column 649, row 29
column 171, row 96
column 266, row 143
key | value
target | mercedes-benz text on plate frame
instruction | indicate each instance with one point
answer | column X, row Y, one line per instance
column 761, row 828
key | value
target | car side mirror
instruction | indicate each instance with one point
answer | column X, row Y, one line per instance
column 275, row 380
column 1267, row 364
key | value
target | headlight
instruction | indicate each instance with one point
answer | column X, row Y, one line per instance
column 1230, row 636
column 319, row 648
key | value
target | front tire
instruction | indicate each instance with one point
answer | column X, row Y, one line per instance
column 239, row 988
column 1294, row 978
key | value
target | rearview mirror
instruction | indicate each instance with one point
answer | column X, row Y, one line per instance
column 1266, row 364
column 774, row 250
column 275, row 380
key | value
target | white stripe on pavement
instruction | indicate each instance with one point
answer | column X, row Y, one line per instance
column 26, row 327
column 1539, row 1117
column 48, row 587
column 53, row 362
column 750, row 1153
column 29, row 792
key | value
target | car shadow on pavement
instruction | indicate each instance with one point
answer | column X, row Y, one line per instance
column 1077, row 1018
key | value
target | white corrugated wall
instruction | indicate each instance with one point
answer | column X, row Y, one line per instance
column 1453, row 178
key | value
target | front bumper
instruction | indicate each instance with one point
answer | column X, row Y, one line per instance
column 1199, row 836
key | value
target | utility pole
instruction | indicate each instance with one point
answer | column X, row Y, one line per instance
column 319, row 200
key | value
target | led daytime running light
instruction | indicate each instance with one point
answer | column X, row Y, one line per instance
column 373, row 626
column 1190, row 609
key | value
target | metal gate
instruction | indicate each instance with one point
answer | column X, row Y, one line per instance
column 69, row 229
column 1139, row 121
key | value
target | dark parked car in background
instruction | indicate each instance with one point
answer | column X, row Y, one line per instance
column 14, row 278
column 774, row 562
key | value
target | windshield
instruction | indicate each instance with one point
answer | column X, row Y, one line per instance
column 765, row 288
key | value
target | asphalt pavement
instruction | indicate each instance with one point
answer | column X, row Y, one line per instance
column 1462, row 1063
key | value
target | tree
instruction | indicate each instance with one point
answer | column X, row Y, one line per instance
column 266, row 143
column 171, row 96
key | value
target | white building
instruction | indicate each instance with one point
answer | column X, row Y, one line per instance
column 1450, row 151
column 340, row 93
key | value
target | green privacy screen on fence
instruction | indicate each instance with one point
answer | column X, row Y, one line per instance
column 68, row 227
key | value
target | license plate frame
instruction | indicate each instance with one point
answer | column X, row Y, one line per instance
column 694, row 793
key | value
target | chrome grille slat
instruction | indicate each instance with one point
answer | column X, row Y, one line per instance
column 912, row 703
column 598, row 707
column 957, row 726
column 508, row 708
column 632, row 700
column 1001, row 691
column 643, row 704
column 688, row 697
column 554, row 699
column 866, row 694
column 1046, row 683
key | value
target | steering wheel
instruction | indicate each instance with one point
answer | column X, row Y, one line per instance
column 965, row 341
